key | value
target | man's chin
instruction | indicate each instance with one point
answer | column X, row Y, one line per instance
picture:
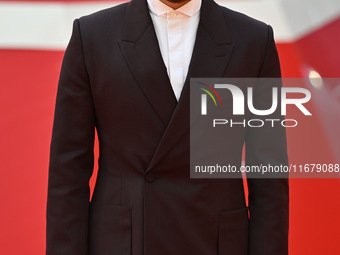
column 177, row 1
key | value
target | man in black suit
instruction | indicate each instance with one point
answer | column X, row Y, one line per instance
column 115, row 78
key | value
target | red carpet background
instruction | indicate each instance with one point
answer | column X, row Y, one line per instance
column 28, row 83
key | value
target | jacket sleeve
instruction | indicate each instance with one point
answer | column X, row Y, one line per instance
column 268, row 197
column 71, row 156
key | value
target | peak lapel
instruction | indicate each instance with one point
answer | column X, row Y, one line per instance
column 141, row 51
column 211, row 54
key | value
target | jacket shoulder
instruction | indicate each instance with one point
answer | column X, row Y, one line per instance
column 100, row 19
column 243, row 27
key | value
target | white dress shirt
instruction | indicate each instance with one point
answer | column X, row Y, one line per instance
column 176, row 34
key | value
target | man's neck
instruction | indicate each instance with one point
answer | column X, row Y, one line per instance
column 174, row 4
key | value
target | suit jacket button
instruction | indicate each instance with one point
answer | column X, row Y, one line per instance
column 150, row 177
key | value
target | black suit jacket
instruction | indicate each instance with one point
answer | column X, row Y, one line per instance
column 113, row 79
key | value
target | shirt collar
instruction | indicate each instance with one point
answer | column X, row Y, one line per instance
column 190, row 9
